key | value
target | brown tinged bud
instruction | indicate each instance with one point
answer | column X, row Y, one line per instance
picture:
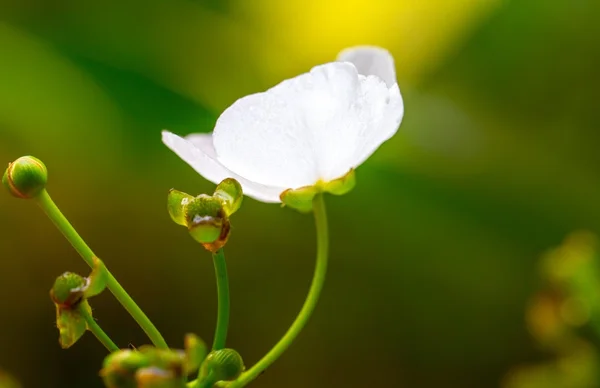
column 26, row 177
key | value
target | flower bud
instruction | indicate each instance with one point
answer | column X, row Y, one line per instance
column 26, row 177
column 207, row 222
column 120, row 367
column 230, row 192
column 177, row 201
column 223, row 364
column 68, row 289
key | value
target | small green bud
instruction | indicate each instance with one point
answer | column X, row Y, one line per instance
column 223, row 364
column 26, row 177
column 177, row 201
column 119, row 368
column 195, row 352
column 231, row 194
column 207, row 222
column 68, row 289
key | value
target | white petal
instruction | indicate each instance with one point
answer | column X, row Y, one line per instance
column 311, row 127
column 197, row 150
column 371, row 60
column 386, row 126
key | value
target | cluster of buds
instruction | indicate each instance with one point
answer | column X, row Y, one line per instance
column 149, row 367
column 207, row 216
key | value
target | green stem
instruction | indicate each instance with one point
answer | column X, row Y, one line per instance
column 207, row 382
column 61, row 222
column 309, row 304
column 223, row 300
column 97, row 330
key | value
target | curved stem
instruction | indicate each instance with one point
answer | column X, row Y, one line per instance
column 97, row 330
column 223, row 300
column 61, row 222
column 309, row 304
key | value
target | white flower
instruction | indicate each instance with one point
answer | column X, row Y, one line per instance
column 308, row 130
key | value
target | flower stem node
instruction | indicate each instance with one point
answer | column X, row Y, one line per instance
column 69, row 294
column 301, row 199
column 26, row 177
column 223, row 365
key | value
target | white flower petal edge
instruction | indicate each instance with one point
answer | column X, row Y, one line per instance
column 376, row 61
column 197, row 151
column 371, row 60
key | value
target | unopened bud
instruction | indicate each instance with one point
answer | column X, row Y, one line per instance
column 26, row 177
column 207, row 222
column 223, row 364
column 120, row 367
column 68, row 289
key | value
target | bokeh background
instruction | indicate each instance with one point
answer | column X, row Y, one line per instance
column 433, row 255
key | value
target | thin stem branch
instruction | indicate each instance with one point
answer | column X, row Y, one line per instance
column 61, row 222
column 309, row 304
column 223, row 300
column 97, row 330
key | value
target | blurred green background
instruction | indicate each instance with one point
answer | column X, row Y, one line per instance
column 433, row 255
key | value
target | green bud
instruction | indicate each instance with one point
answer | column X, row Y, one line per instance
column 154, row 377
column 177, row 201
column 26, row 177
column 195, row 352
column 119, row 368
column 207, row 222
column 68, row 289
column 223, row 364
column 230, row 192
column 167, row 359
